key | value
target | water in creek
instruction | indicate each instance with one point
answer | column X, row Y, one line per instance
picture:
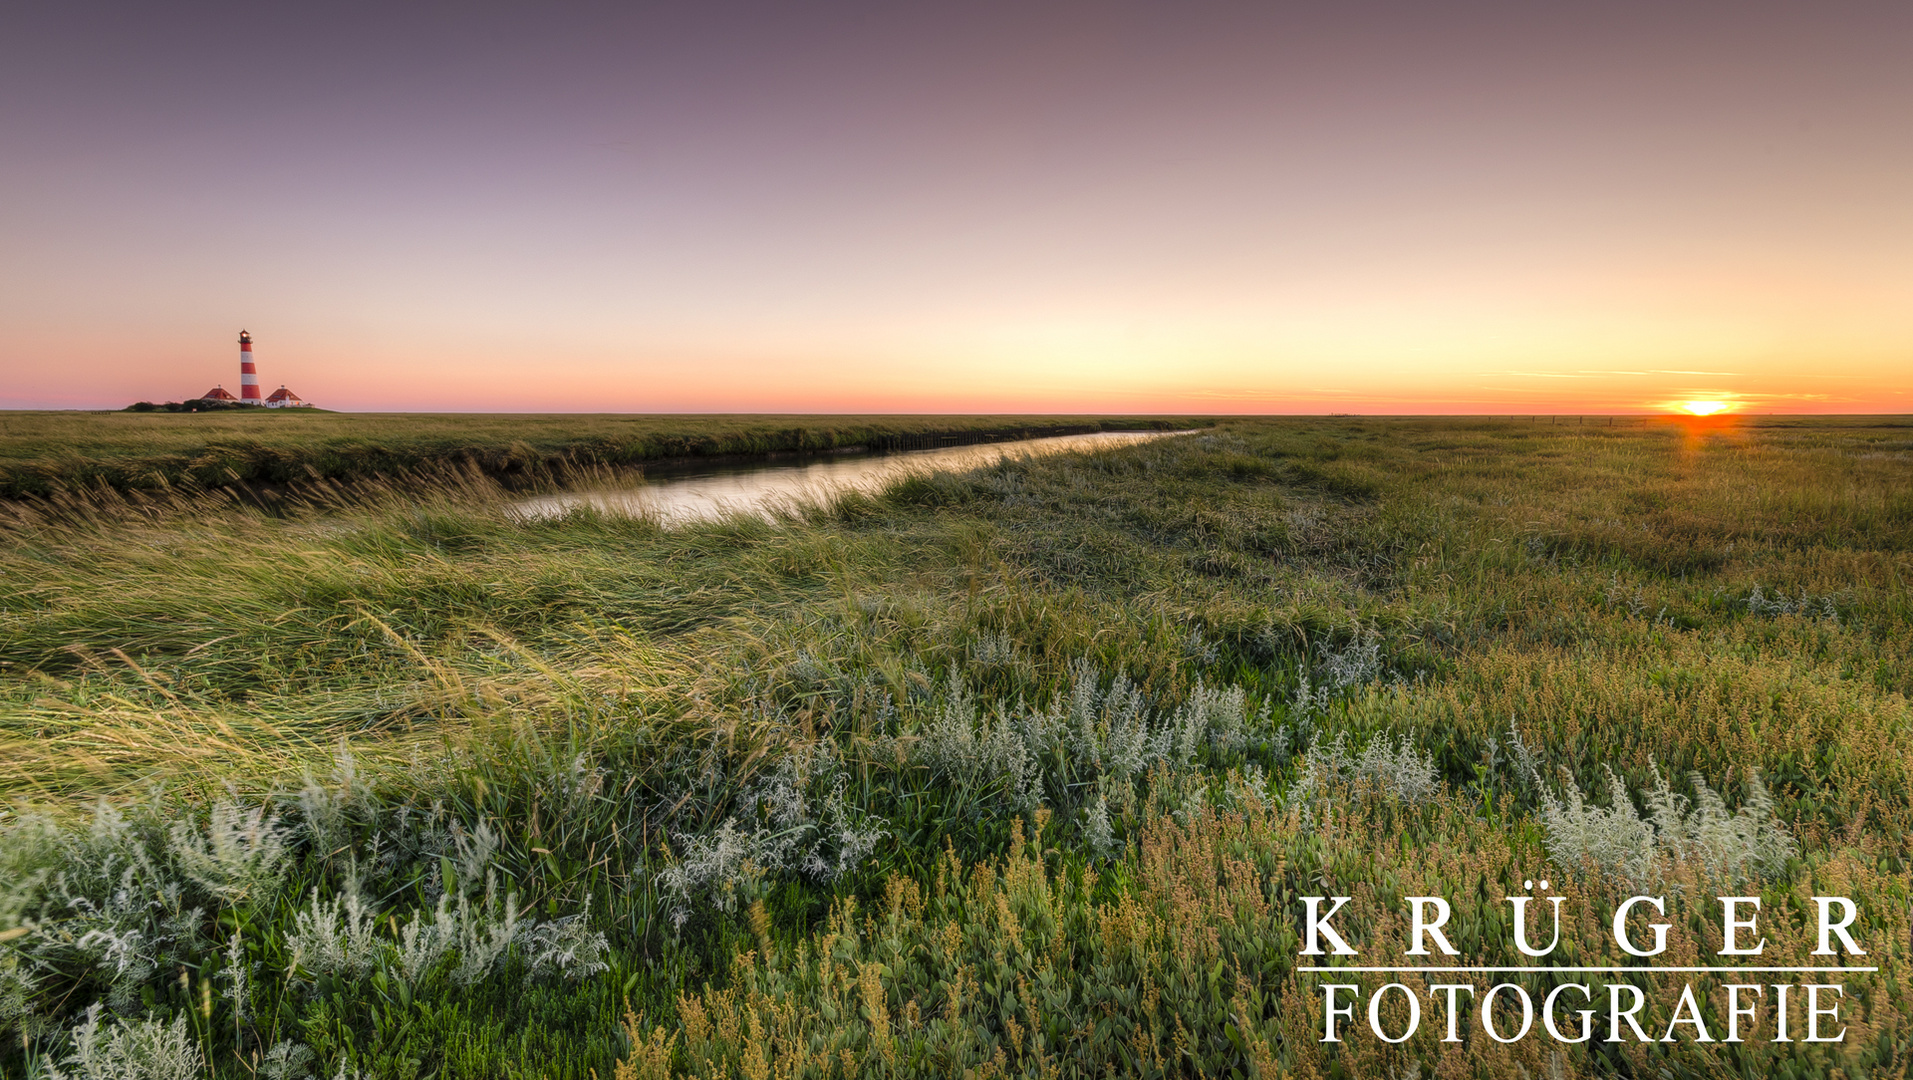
column 708, row 492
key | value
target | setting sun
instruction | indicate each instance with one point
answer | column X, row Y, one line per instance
column 1704, row 408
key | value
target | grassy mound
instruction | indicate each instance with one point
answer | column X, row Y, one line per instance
column 46, row 453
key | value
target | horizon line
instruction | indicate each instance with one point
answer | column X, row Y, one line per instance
column 1515, row 414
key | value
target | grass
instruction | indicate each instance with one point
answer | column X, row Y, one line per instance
column 1020, row 772
column 44, row 453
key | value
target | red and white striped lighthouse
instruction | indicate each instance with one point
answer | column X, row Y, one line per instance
column 248, row 373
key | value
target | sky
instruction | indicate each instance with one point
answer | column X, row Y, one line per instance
column 1006, row 207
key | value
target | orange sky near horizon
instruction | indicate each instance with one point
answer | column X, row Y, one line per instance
column 1216, row 208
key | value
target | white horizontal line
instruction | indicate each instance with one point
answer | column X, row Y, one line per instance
column 1563, row 970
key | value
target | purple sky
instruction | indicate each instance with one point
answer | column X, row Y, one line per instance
column 805, row 207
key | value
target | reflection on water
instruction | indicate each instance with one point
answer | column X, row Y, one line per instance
column 709, row 492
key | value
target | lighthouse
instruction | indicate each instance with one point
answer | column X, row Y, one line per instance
column 248, row 373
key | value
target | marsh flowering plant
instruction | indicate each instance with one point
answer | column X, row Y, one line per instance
column 1633, row 848
column 1392, row 768
column 106, row 908
column 796, row 817
column 129, row 1050
column 1093, row 731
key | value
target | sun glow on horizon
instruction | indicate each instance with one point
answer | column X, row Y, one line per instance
column 1706, row 408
